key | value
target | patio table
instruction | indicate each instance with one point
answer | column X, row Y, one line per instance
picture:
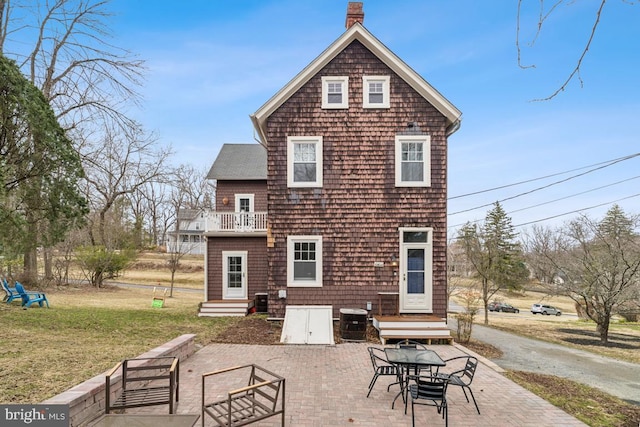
column 146, row 420
column 407, row 358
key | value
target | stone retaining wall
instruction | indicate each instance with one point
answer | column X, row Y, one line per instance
column 87, row 400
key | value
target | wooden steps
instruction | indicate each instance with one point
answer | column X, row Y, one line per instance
column 426, row 328
column 224, row 308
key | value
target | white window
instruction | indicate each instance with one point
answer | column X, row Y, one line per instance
column 304, row 261
column 304, row 161
column 413, row 158
column 244, row 202
column 335, row 92
column 375, row 91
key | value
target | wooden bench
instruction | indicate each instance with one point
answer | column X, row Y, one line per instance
column 260, row 394
column 145, row 381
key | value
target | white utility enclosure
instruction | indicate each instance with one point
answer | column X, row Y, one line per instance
column 308, row 324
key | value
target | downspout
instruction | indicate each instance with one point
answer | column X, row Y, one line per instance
column 453, row 127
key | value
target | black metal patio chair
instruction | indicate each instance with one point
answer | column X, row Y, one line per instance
column 428, row 391
column 381, row 367
column 462, row 377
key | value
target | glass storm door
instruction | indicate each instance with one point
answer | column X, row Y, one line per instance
column 244, row 207
column 234, row 275
column 415, row 271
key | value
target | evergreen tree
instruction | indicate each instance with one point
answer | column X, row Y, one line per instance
column 39, row 196
column 494, row 254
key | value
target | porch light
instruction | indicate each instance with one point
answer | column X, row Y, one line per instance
column 394, row 261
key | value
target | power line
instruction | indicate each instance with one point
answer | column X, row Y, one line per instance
column 560, row 199
column 608, row 162
column 576, row 211
column 606, row 165
column 574, row 195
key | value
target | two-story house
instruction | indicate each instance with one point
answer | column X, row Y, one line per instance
column 353, row 188
column 188, row 235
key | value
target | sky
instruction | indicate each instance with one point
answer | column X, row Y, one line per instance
column 212, row 63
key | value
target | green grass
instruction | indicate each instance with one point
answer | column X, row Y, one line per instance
column 587, row 404
column 46, row 351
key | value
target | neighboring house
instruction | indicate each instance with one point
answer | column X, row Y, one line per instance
column 188, row 236
column 352, row 172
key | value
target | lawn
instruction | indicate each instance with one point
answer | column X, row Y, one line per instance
column 85, row 332
column 88, row 330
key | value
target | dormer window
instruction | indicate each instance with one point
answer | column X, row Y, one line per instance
column 335, row 92
column 375, row 92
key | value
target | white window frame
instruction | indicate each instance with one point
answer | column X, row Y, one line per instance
column 291, row 141
column 426, row 165
column 343, row 81
column 385, row 91
column 291, row 241
column 244, row 196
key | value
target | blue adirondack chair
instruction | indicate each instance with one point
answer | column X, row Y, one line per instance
column 12, row 293
column 29, row 298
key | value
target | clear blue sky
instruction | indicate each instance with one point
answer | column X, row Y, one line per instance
column 213, row 63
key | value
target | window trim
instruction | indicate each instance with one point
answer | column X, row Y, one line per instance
column 344, row 81
column 426, row 166
column 249, row 196
column 291, row 141
column 385, row 91
column 291, row 282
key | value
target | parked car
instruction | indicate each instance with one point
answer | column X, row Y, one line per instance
column 545, row 309
column 502, row 306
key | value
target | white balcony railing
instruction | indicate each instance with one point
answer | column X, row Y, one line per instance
column 241, row 222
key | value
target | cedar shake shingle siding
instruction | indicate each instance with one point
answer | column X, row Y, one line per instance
column 358, row 209
column 229, row 189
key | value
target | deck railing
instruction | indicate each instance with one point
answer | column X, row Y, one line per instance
column 240, row 222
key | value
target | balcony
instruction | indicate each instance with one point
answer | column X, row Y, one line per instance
column 237, row 222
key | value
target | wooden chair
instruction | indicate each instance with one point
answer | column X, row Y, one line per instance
column 260, row 395
column 146, row 381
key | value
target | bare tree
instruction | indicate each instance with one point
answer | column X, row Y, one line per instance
column 543, row 14
column 63, row 47
column 191, row 191
column 537, row 242
column 118, row 167
column 598, row 264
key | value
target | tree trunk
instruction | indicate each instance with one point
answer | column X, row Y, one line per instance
column 31, row 254
column 602, row 327
column 485, row 299
column 48, row 264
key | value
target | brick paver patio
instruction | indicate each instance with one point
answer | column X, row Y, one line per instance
column 327, row 386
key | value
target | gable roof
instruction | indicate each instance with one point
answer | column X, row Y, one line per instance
column 358, row 32
column 240, row 162
column 188, row 213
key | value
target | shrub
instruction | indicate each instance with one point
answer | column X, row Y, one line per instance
column 99, row 263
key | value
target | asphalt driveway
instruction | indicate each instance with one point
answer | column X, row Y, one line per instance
column 615, row 377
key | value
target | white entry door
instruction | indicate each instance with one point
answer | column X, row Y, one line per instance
column 416, row 252
column 234, row 274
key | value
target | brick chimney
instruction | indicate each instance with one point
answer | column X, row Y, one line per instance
column 354, row 13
